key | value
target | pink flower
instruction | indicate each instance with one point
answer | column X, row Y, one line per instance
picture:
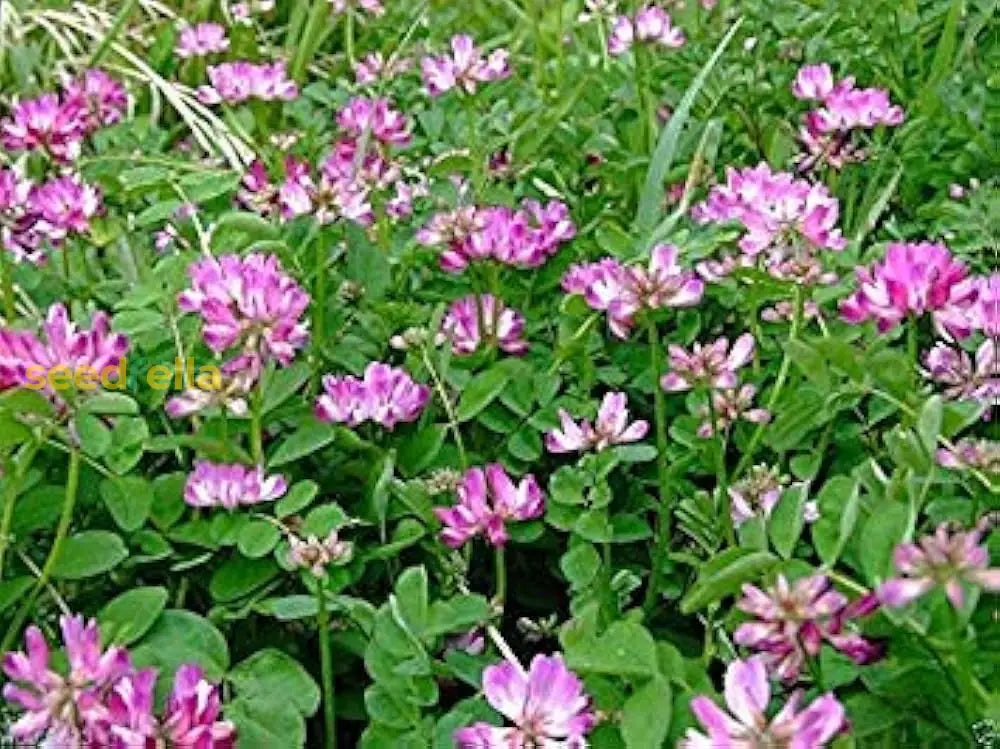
column 193, row 713
column 748, row 694
column 296, row 193
column 99, row 98
column 983, row 455
column 19, row 233
column 986, row 311
column 316, row 555
column 126, row 718
column 651, row 24
column 231, row 394
column 813, row 82
column 361, row 115
column 248, row 301
column 547, row 706
column 372, row 7
column 235, row 82
column 473, row 320
column 950, row 560
column 63, row 206
column 487, row 500
column 731, row 406
column 792, row 621
column 57, row 707
column 201, row 39
column 231, row 486
column 964, row 379
column 385, row 395
column 611, row 428
column 756, row 494
column 914, row 279
column 714, row 365
column 465, row 68
column 373, row 68
column 44, row 124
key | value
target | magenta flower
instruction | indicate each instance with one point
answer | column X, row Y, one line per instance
column 813, row 82
column 611, row 428
column 362, row 115
column 650, row 24
column 474, row 320
column 248, row 301
column 57, row 708
column 236, row 82
column 44, row 124
column 963, row 378
column 792, row 621
column 487, row 500
column 746, row 725
column 713, row 365
column 19, row 233
column 63, row 206
column 99, row 99
column 983, row 455
column 948, row 560
column 126, row 718
column 986, row 312
column 756, row 494
column 231, row 486
column 201, row 39
column 914, row 279
column 465, row 68
column 385, row 395
column 546, row 704
column 193, row 713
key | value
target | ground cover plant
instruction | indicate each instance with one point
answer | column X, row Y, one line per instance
column 500, row 374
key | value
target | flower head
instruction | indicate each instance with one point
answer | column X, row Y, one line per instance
column 651, row 24
column 64, row 206
column 231, row 486
column 965, row 378
column 193, row 713
column 611, row 428
column 201, row 39
column 477, row 319
column 465, row 68
column 385, row 395
column 983, row 455
column 361, row 115
column 948, row 560
column 487, row 500
column 546, row 704
column 99, row 99
column 713, row 365
column 236, row 82
column 730, row 406
column 756, row 494
column 47, row 124
column 316, row 555
column 373, row 67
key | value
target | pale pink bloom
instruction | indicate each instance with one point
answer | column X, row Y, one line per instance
column 193, row 713
column 986, row 311
column 231, row 486
column 474, row 320
column 99, row 98
column 847, row 108
column 622, row 36
column 201, row 39
column 19, row 233
column 62, row 345
column 983, row 455
column 756, row 494
column 611, row 428
column 963, row 378
column 400, row 205
column 248, row 301
column 361, row 115
column 792, row 621
column 714, row 365
column 949, row 560
column 487, row 501
column 295, row 194
column 914, row 279
column 64, row 206
column 57, row 707
column 385, row 395
column 784, row 311
column 316, row 555
column 547, row 705
column 373, row 67
column 371, row 7
column 235, row 82
column 730, row 406
column 231, row 394
column 45, row 124
column 746, row 725
column 465, row 68
column 813, row 82
column 650, row 24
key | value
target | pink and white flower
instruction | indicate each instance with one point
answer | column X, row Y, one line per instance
column 547, row 705
column 386, row 395
column 201, row 39
column 193, row 713
column 236, row 82
column 611, row 428
column 483, row 319
column 730, row 406
column 231, row 486
column 651, row 24
column 362, row 115
column 465, row 68
column 487, row 500
column 713, row 365
column 371, row 7
column 756, row 494
column 964, row 378
column 373, row 67
column 99, row 99
column 44, row 124
column 967, row 454
column 813, row 82
column 64, row 206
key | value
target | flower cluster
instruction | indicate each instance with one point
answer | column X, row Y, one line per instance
column 316, row 555
column 611, row 428
column 964, row 378
column 201, row 39
column 231, row 486
column 826, row 132
column 371, row 7
column 465, row 68
column 525, row 237
column 944, row 559
column 651, row 24
column 756, row 494
column 748, row 694
column 547, row 705
column 102, row 700
column 793, row 620
column 982, row 455
column 57, row 124
column 362, row 115
column 487, row 500
column 477, row 319
column 385, row 395
column 24, row 356
column 374, row 67
column 236, row 82
column 248, row 302
column 622, row 291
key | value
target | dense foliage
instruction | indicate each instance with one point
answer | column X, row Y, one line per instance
column 500, row 374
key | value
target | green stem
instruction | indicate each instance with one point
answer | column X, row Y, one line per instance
column 349, row 37
column 319, row 312
column 9, row 310
column 662, row 531
column 109, row 38
column 11, row 488
column 307, row 42
column 721, row 480
column 62, row 530
column 326, row 668
column 256, row 433
column 448, row 408
column 500, row 560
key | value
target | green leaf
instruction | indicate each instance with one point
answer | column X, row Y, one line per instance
column 651, row 197
column 626, row 649
column 888, row 526
column 323, row 519
column 458, row 614
column 13, row 590
column 480, row 391
column 297, row 498
column 128, row 499
column 12, row 431
column 411, row 596
column 929, row 423
column 95, row 437
column 580, row 565
column 838, row 501
column 417, row 451
column 787, row 521
column 289, row 608
column 178, row 637
column 257, row 539
column 111, row 404
column 270, row 679
column 129, row 616
column 200, row 187
column 305, row 441
column 238, row 576
column 266, row 729
column 281, row 384
column 724, row 574
column 645, row 720
column 168, row 499
column 25, row 400
column 89, row 553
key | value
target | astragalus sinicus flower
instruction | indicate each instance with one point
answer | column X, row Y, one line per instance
column 236, row 82
column 317, row 554
column 963, row 377
column 650, row 24
column 487, row 500
column 756, row 494
column 231, row 485
column 385, row 395
column 746, row 725
column 712, row 365
column 623, row 291
column 201, row 39
column 465, row 68
column 968, row 454
column 482, row 319
column 950, row 560
column 376, row 116
column 611, row 428
column 730, row 406
column 547, row 705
